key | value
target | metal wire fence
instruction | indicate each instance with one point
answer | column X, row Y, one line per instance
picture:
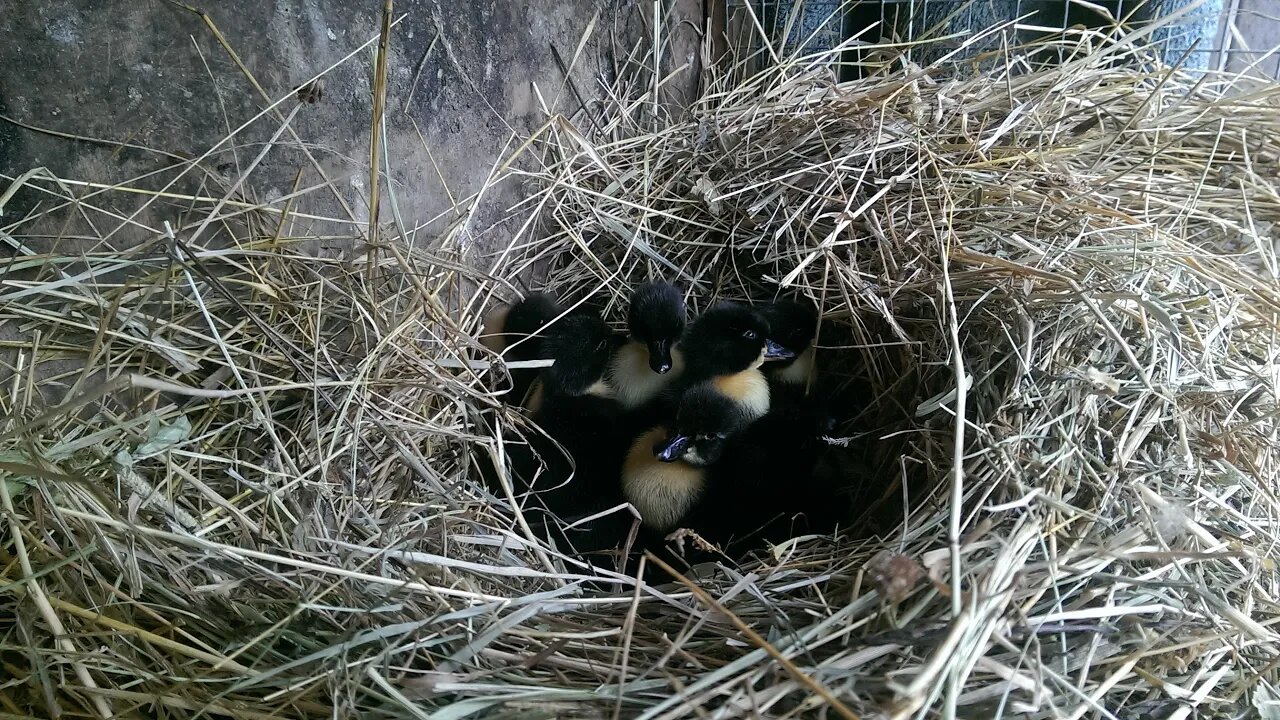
column 1233, row 35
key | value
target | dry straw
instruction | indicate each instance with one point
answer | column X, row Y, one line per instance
column 251, row 493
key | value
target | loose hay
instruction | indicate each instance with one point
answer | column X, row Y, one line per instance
column 257, row 497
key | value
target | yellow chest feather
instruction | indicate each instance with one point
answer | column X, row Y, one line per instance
column 662, row 492
column 633, row 381
column 748, row 388
column 537, row 394
column 798, row 372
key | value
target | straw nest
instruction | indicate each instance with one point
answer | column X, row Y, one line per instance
column 255, row 495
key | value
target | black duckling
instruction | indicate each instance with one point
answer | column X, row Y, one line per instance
column 666, row 470
column 774, row 482
column 727, row 345
column 576, row 385
column 516, row 332
column 793, row 325
column 652, row 359
column 581, row 347
column 505, row 324
column 662, row 492
column 737, row 481
column 580, row 456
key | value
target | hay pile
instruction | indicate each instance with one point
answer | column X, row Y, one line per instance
column 257, row 498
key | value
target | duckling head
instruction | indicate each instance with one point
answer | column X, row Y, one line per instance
column 523, row 325
column 792, row 326
column 727, row 339
column 531, row 314
column 656, row 318
column 581, row 346
column 705, row 420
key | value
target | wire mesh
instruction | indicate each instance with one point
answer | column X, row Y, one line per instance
column 1230, row 35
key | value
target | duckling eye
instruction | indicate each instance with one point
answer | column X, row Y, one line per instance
column 751, row 335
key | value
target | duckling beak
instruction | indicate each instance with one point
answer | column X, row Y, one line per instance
column 673, row 449
column 774, row 351
column 660, row 356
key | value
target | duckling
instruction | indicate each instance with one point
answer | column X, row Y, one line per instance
column 492, row 326
column 760, row 479
column 727, row 346
column 505, row 324
column 793, row 325
column 772, row 482
column 516, row 332
column 581, row 347
column 666, row 469
column 662, row 493
column 581, row 453
column 651, row 359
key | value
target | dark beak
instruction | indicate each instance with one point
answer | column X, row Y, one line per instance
column 673, row 450
column 774, row 351
column 660, row 356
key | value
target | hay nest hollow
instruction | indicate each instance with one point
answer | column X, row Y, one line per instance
column 255, row 495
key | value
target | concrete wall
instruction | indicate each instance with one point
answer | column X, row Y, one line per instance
column 461, row 82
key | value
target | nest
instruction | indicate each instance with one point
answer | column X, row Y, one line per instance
column 240, row 479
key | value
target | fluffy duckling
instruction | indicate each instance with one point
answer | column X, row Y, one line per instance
column 770, row 483
column 794, row 326
column 516, row 332
column 581, row 347
column 505, row 324
column 727, row 346
column 666, row 469
column 651, row 359
column 572, row 401
column 759, row 480
column 573, row 469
